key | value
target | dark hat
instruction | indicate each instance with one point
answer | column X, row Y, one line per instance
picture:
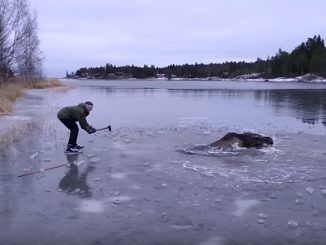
column 89, row 103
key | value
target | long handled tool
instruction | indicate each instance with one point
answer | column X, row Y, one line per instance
column 40, row 171
column 108, row 127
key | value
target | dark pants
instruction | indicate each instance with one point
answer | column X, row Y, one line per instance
column 73, row 127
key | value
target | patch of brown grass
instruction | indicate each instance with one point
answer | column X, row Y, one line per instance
column 43, row 84
column 50, row 84
column 8, row 95
column 9, row 92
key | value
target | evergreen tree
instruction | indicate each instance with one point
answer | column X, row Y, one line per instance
column 308, row 57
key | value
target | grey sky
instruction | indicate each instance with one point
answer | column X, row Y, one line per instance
column 80, row 33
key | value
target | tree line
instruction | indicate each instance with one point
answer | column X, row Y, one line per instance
column 20, row 56
column 308, row 57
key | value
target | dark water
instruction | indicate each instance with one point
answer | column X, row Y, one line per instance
column 143, row 184
column 237, row 105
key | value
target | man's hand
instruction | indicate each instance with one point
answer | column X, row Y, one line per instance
column 91, row 130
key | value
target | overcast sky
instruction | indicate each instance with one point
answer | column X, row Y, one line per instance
column 83, row 33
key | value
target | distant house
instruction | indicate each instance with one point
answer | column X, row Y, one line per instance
column 160, row 75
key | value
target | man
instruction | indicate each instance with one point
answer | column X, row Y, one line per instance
column 69, row 116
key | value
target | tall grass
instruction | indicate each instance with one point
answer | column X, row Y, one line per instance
column 14, row 134
column 8, row 95
column 12, row 91
column 45, row 84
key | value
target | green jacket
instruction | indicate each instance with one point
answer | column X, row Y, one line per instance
column 76, row 113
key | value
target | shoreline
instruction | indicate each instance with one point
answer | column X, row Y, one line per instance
column 12, row 91
column 14, row 127
column 308, row 78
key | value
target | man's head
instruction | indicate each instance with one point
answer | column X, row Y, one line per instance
column 89, row 105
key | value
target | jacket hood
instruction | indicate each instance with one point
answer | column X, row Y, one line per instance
column 83, row 105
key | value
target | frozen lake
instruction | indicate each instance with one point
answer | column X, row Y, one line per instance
column 141, row 183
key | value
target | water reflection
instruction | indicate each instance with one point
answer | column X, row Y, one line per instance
column 229, row 94
column 309, row 106
column 74, row 181
column 260, row 106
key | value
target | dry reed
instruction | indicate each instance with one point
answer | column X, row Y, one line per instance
column 8, row 95
column 45, row 84
column 11, row 91
column 14, row 134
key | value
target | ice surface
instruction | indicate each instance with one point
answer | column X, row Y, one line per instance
column 34, row 155
column 293, row 224
column 262, row 216
column 310, row 190
column 91, row 206
column 80, row 162
column 242, row 206
column 299, row 201
column 118, row 175
column 119, row 199
column 16, row 117
column 182, row 227
column 215, row 240
column 94, row 159
column 151, row 186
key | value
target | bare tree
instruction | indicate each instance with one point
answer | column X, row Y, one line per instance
column 19, row 43
column 28, row 61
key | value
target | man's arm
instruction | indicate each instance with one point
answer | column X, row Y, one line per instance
column 84, row 125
